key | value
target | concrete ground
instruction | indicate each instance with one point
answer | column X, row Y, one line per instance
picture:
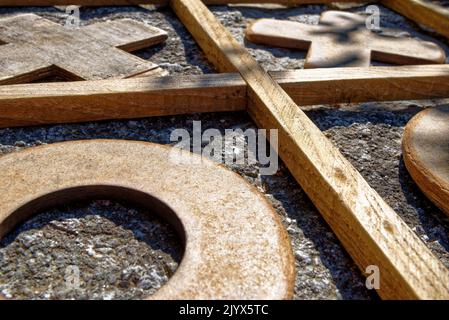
column 123, row 252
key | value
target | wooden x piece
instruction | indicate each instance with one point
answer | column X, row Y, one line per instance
column 342, row 39
column 36, row 47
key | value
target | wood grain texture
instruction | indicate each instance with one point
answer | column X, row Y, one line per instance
column 343, row 85
column 97, row 51
column 370, row 230
column 34, row 104
column 125, row 34
column 158, row 2
column 424, row 13
column 425, row 147
column 46, row 103
column 341, row 39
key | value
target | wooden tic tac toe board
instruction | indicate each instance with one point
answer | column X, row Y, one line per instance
column 370, row 230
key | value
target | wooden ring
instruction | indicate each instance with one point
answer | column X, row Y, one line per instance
column 426, row 153
column 235, row 245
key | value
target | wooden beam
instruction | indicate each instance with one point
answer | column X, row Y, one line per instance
column 350, row 85
column 93, row 3
column 34, row 104
column 425, row 13
column 46, row 103
column 370, row 230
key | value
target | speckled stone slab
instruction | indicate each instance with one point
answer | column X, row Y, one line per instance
column 426, row 153
column 235, row 246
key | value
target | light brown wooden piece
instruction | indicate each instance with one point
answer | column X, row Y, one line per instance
column 426, row 153
column 37, row 48
column 235, row 244
column 422, row 12
column 347, row 5
column 45, row 103
column 159, row 2
column 34, row 104
column 369, row 229
column 341, row 39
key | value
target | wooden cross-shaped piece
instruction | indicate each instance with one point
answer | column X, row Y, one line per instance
column 343, row 39
column 34, row 47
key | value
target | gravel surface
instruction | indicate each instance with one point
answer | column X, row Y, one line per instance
column 124, row 252
column 96, row 250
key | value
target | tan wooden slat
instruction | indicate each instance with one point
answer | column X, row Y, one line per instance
column 343, row 85
column 370, row 230
column 45, row 103
column 425, row 13
column 33, row 104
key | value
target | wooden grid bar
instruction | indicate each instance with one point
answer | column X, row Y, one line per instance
column 425, row 13
column 46, row 103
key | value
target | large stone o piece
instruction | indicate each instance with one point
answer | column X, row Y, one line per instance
column 235, row 245
column 426, row 153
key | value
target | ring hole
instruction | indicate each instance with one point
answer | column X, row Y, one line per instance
column 125, row 247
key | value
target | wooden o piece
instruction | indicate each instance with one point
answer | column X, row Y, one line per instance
column 235, row 245
column 342, row 39
column 426, row 153
column 34, row 48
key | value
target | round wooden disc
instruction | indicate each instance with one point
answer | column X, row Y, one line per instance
column 235, row 245
column 426, row 153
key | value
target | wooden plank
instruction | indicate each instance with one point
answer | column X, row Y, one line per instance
column 425, row 13
column 34, row 104
column 342, row 85
column 370, row 230
column 46, row 103
column 17, row 3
